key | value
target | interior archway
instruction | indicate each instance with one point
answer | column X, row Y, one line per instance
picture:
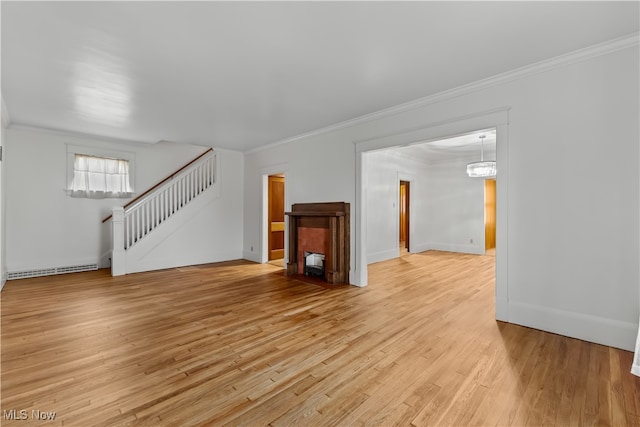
column 497, row 119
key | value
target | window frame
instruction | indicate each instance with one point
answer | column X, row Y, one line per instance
column 129, row 156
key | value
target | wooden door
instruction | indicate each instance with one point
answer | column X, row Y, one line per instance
column 404, row 213
column 490, row 213
column 276, row 217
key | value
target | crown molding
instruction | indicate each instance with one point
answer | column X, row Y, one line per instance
column 6, row 119
column 81, row 135
column 113, row 140
column 580, row 55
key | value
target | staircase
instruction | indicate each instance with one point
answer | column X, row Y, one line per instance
column 140, row 221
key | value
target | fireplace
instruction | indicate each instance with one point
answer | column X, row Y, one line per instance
column 321, row 229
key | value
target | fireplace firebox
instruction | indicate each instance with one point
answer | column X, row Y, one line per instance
column 314, row 264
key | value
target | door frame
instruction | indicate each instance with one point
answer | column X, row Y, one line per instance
column 494, row 213
column 264, row 218
column 497, row 118
column 270, row 249
column 402, row 176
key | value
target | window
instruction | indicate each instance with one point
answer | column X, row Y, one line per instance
column 100, row 177
column 100, row 172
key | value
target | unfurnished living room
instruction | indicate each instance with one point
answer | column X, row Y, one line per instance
column 334, row 213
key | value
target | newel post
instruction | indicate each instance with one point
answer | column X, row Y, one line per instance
column 118, row 254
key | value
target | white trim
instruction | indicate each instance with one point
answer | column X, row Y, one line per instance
column 5, row 121
column 635, row 368
column 360, row 276
column 6, row 118
column 252, row 256
column 144, row 264
column 454, row 126
column 383, row 255
column 502, row 220
column 451, row 247
column 613, row 333
column 105, row 259
column 79, row 135
column 421, row 247
column 584, row 54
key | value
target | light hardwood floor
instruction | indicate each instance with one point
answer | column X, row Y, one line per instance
column 240, row 344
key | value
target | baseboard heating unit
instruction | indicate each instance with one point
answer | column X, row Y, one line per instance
column 11, row 275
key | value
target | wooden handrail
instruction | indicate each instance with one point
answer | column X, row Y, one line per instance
column 168, row 178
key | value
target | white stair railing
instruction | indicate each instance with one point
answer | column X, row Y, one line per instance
column 132, row 223
column 148, row 213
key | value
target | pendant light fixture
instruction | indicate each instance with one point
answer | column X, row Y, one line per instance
column 482, row 169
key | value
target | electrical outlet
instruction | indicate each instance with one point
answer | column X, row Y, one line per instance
column 470, row 240
column 251, row 248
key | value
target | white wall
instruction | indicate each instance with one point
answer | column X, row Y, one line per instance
column 571, row 224
column 386, row 168
column 47, row 228
column 382, row 205
column 3, row 261
column 447, row 207
column 454, row 208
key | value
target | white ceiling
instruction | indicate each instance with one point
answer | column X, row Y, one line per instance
column 238, row 75
column 459, row 147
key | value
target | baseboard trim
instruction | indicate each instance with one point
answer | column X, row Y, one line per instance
column 105, row 260
column 448, row 247
column 383, row 255
column 420, row 247
column 612, row 333
column 502, row 309
column 252, row 256
column 152, row 264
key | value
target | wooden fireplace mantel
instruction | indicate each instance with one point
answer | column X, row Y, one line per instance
column 333, row 216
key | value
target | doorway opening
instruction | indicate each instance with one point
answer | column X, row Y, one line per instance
column 490, row 217
column 404, row 217
column 275, row 219
column 497, row 120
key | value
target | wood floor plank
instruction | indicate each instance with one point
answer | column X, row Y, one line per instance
column 241, row 344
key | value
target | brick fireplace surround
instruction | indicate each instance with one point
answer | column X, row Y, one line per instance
column 322, row 228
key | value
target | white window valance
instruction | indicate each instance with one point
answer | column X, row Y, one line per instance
column 100, row 177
